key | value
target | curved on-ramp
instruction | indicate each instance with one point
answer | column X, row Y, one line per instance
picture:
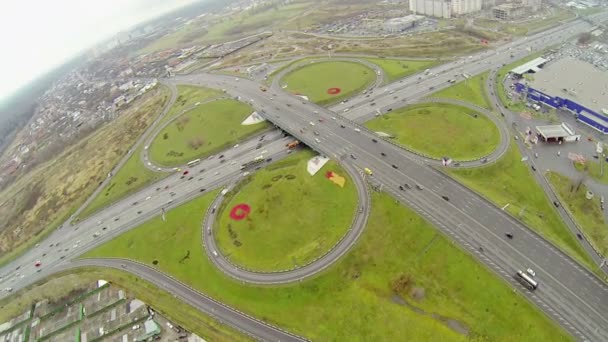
column 296, row 274
column 240, row 321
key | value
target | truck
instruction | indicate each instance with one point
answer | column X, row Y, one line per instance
column 293, row 144
column 368, row 171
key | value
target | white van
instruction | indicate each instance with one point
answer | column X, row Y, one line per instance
column 357, row 130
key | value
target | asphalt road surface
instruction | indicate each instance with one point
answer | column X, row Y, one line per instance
column 568, row 293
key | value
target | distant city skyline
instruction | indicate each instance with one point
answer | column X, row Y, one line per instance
column 38, row 36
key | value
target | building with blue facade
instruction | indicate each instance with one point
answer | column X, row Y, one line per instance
column 583, row 114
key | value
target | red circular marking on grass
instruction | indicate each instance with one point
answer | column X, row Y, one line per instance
column 240, row 211
column 334, row 91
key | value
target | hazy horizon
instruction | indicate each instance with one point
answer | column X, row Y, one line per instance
column 40, row 36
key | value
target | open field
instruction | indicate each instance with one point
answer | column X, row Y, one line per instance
column 273, row 236
column 204, row 130
column 433, row 45
column 41, row 200
column 593, row 169
column 587, row 213
column 509, row 181
column 395, row 69
column 130, row 178
column 226, row 28
column 470, row 90
column 188, row 96
column 439, row 130
column 315, row 79
column 55, row 289
column 522, row 28
column 402, row 276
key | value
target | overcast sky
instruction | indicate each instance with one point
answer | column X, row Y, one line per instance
column 37, row 35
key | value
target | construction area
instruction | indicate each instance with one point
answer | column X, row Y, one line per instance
column 100, row 312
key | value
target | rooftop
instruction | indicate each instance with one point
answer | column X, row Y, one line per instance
column 531, row 65
column 555, row 131
column 576, row 80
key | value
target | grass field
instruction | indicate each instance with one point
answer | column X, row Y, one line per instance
column 206, row 129
column 403, row 281
column 134, row 175
column 587, row 213
column 45, row 197
column 130, row 178
column 313, row 80
column 274, row 237
column 55, row 290
column 188, row 96
column 439, row 130
column 232, row 27
column 594, row 170
column 510, row 181
column 395, row 69
column 471, row 90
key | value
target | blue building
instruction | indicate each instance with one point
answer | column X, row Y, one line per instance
column 583, row 114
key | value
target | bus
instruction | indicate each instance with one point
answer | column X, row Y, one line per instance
column 193, row 162
column 526, row 280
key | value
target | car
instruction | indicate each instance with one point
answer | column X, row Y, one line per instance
column 222, row 161
column 372, row 104
column 353, row 157
column 321, row 120
column 202, row 190
column 216, row 173
column 139, row 212
column 311, row 123
column 390, row 109
column 182, row 177
column 116, row 219
column 104, row 228
column 579, row 236
column 374, row 140
column 170, row 201
column 268, row 160
column 96, row 234
column 533, row 168
column 157, row 189
column 316, row 133
column 316, row 112
column 190, row 178
column 445, row 198
column 357, row 130
column 531, row 272
column 186, row 172
column 342, row 126
column 407, row 186
column 62, row 257
column 401, row 188
column 556, row 204
column 172, row 193
column 418, row 187
column 135, row 203
column 221, row 156
column 383, row 154
column 43, row 255
column 394, row 166
column 38, row 263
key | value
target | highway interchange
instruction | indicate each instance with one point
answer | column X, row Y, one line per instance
column 569, row 294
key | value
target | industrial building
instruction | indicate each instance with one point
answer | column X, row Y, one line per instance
column 445, row 8
column 557, row 133
column 432, row 8
column 509, row 11
column 516, row 9
column 460, row 7
column 401, row 24
column 574, row 85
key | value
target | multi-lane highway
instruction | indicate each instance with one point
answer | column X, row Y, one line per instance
column 568, row 293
